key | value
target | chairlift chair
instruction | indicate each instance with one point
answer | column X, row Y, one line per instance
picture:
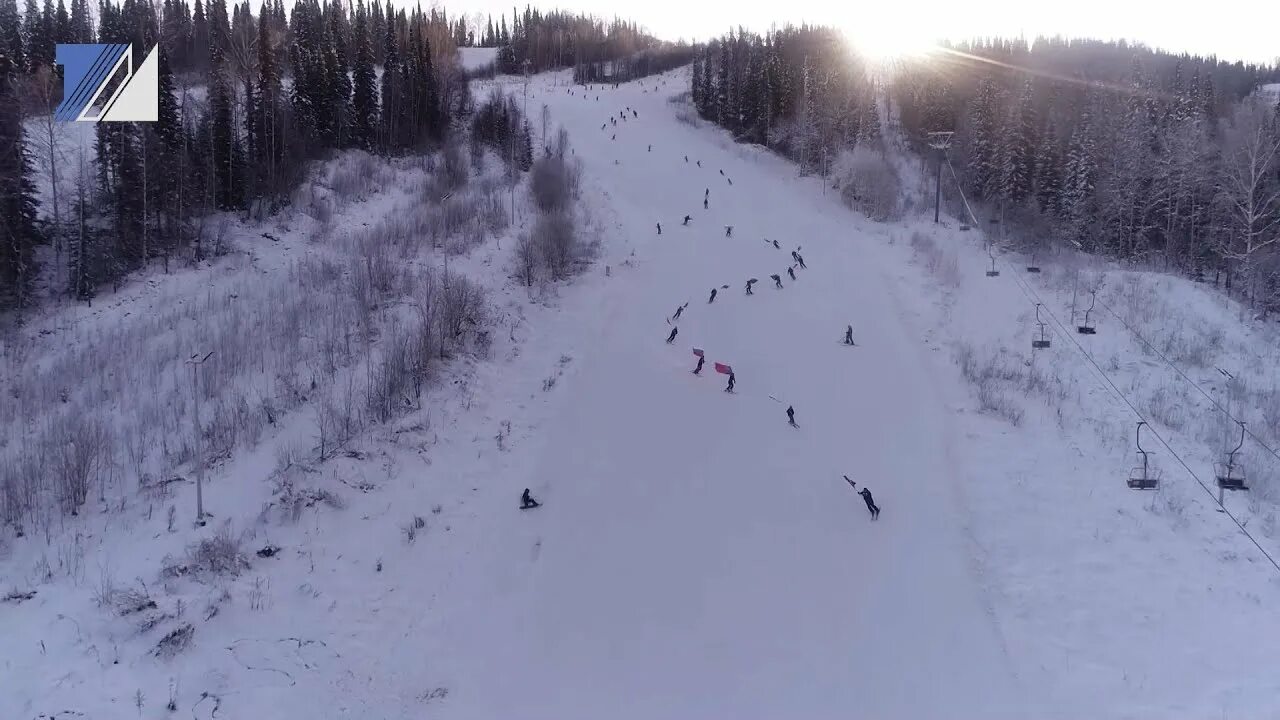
column 964, row 227
column 1042, row 342
column 1230, row 475
column 1034, row 267
column 993, row 272
column 1140, row 478
column 1086, row 328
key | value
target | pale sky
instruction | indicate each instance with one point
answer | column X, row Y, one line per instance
column 1232, row 29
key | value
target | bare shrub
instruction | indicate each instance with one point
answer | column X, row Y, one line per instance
column 869, row 184
column 133, row 600
column 411, row 528
column 526, row 259
column 81, row 455
column 176, row 641
column 453, row 172
column 557, row 243
column 217, row 555
column 553, row 180
column 1165, row 406
column 942, row 264
column 991, row 377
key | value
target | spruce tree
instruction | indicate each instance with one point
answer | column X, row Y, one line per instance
column 365, row 98
column 391, row 84
column 11, row 44
column 19, row 231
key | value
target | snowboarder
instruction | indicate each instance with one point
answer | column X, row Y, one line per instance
column 527, row 501
column 777, row 281
column 776, row 245
column 698, row 370
column 687, row 218
column 659, row 228
column 704, row 203
column 721, row 172
column 728, row 231
column 750, row 282
column 729, row 387
column 792, row 272
column 848, row 335
column 672, row 337
column 713, row 296
column 791, row 416
column 871, row 504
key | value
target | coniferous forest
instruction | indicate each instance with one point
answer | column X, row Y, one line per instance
column 1116, row 149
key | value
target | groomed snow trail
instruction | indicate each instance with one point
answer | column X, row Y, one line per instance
column 695, row 556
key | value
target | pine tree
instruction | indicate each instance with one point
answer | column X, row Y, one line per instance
column 1048, row 171
column 62, row 24
column 32, row 35
column 223, row 150
column 1017, row 152
column 11, row 44
column 365, row 102
column 391, row 84
column 984, row 147
column 338, row 80
column 19, row 231
column 1078, row 201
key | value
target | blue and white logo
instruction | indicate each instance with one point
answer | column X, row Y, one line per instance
column 88, row 70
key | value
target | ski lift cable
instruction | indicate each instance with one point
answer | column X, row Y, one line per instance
column 1184, row 376
column 1059, row 329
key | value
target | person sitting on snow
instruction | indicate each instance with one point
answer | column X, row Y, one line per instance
column 527, row 501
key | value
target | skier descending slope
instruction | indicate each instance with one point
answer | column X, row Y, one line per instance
column 728, row 231
column 705, row 204
column 672, row 337
column 659, row 228
column 791, row 416
column 792, row 272
column 848, row 335
column 871, row 504
column 777, row 281
column 687, row 218
column 701, row 359
column 679, row 310
column 713, row 296
column 750, row 282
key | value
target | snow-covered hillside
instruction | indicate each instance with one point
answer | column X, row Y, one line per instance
column 695, row 556
column 472, row 58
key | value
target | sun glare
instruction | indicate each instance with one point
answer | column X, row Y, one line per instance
column 887, row 37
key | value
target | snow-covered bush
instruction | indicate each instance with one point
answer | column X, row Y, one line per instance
column 869, row 183
column 942, row 264
column 553, row 180
column 557, row 243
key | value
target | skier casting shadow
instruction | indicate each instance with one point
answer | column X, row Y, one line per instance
column 791, row 416
column 527, row 501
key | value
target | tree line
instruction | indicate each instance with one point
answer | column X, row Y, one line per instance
column 799, row 90
column 245, row 102
column 1118, row 149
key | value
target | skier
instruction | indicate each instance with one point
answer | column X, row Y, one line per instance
column 635, row 114
column 776, row 245
column 615, row 137
column 698, row 370
column 687, row 219
column 713, row 296
column 659, row 228
column 729, row 388
column 795, row 256
column 672, row 337
column 730, row 180
column 699, row 163
column 721, row 172
column 704, row 203
column 800, row 259
column 527, row 501
column 848, row 335
column 792, row 272
column 650, row 148
column 706, row 193
column 777, row 281
column 791, row 416
column 750, row 282
column 728, row 231
column 871, row 504
column 686, row 158
column 678, row 311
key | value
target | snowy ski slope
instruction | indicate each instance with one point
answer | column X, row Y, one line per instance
column 698, row 557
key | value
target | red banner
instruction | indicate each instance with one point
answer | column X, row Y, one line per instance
column 697, row 351
column 724, row 369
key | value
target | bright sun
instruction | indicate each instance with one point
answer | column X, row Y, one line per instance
column 887, row 38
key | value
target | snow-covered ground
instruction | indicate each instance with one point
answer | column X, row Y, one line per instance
column 695, row 556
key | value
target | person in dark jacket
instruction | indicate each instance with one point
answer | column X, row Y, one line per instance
column 699, row 163
column 848, row 334
column 795, row 256
column 729, row 387
column 672, row 337
column 792, row 272
column 527, row 501
column 687, row 218
column 705, row 203
column 713, row 296
column 800, row 259
column 698, row 370
column 791, row 416
column 659, row 228
column 750, row 282
column 871, row 504
column 678, row 311
column 728, row 231
column 776, row 245
column 777, row 281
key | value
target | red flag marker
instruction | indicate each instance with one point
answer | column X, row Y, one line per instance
column 697, row 351
column 724, row 369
